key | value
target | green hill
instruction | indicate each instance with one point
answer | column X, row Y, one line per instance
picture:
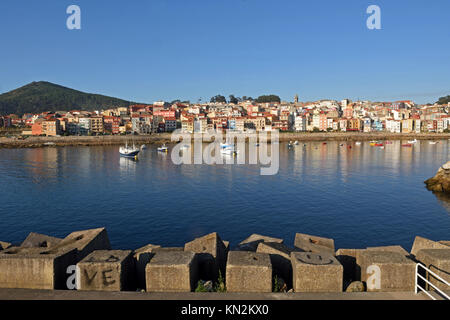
column 43, row 96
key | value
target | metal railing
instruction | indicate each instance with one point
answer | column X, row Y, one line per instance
column 427, row 282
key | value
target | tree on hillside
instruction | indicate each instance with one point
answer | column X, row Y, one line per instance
column 233, row 99
column 444, row 100
column 268, row 98
column 218, row 99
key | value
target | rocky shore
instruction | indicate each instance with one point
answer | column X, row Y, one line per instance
column 441, row 181
column 85, row 261
column 38, row 142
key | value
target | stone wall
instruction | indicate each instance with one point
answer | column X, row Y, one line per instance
column 84, row 260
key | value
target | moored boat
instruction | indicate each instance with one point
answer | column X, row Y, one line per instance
column 407, row 145
column 129, row 151
column 163, row 148
column 413, row 141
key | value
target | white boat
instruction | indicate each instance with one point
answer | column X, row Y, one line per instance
column 129, row 151
column 230, row 149
column 358, row 143
column 434, row 142
column 413, row 141
column 296, row 143
column 163, row 148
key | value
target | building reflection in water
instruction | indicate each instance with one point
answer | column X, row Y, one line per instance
column 443, row 200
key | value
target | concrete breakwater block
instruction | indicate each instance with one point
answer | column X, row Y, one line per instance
column 251, row 243
column 44, row 261
column 142, row 256
column 438, row 261
column 316, row 272
column 248, row 272
column 4, row 245
column 280, row 258
column 398, row 249
column 445, row 242
column 387, row 271
column 211, row 255
column 35, row 268
column 351, row 261
column 106, row 270
column 309, row 243
column 424, row 243
column 37, row 240
column 172, row 271
column 86, row 241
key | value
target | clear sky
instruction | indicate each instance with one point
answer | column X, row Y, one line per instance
column 147, row 50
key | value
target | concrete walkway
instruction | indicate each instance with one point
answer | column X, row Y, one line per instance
column 26, row 294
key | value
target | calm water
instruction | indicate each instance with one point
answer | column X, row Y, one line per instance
column 364, row 196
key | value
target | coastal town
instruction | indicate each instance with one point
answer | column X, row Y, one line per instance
column 243, row 114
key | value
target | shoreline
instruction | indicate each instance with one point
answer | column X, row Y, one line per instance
column 38, row 142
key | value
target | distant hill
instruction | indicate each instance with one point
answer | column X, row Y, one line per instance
column 43, row 96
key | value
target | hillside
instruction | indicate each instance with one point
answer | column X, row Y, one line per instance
column 42, row 96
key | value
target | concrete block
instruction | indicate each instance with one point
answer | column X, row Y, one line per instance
column 106, row 270
column 36, row 240
column 4, row 245
column 438, row 261
column 309, row 243
column 251, row 243
column 423, row 243
column 387, row 271
column 398, row 249
column 86, row 241
column 142, row 256
column 316, row 272
column 445, row 242
column 351, row 261
column 226, row 245
column 172, row 271
column 35, row 268
column 211, row 255
column 280, row 258
column 158, row 249
column 248, row 272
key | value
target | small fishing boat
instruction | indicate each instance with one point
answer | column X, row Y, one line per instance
column 434, row 142
column 413, row 141
column 231, row 150
column 379, row 145
column 358, row 143
column 407, row 145
column 372, row 144
column 163, row 148
column 129, row 151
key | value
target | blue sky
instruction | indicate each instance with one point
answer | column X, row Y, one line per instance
column 189, row 49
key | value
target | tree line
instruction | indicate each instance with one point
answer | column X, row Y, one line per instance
column 232, row 99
